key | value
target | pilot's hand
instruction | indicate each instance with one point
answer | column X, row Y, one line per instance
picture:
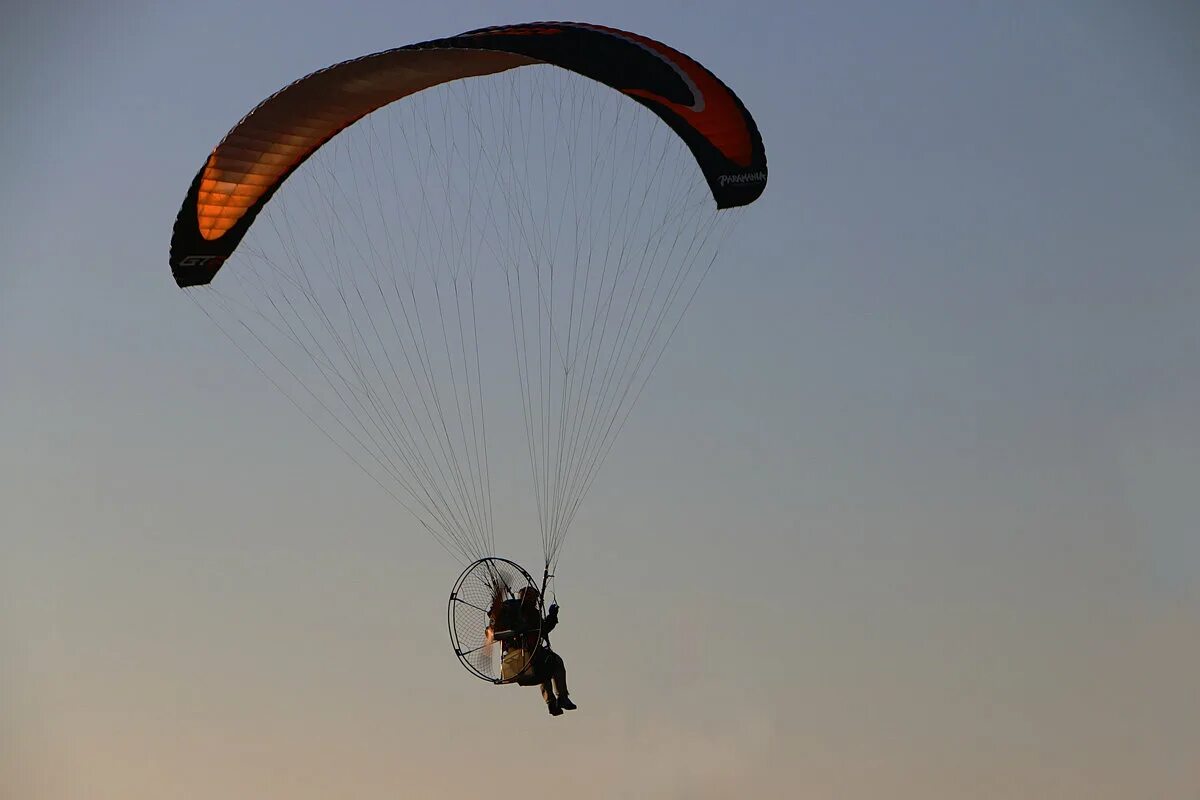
column 553, row 610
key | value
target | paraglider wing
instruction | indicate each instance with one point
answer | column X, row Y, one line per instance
column 275, row 138
column 379, row 215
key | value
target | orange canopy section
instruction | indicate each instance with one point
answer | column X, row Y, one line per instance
column 278, row 135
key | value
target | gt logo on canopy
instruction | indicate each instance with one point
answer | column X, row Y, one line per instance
column 201, row 261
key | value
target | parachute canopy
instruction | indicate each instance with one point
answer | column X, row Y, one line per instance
column 380, row 254
column 270, row 142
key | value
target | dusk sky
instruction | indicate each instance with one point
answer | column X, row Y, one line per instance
column 909, row 508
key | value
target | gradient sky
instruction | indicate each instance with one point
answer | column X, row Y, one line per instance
column 909, row 510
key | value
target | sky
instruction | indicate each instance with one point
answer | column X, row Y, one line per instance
column 909, row 509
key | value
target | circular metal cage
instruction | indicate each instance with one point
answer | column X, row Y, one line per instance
column 489, row 635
